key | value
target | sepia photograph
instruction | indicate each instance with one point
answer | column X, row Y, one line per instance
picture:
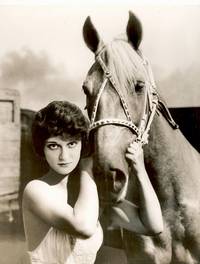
column 99, row 132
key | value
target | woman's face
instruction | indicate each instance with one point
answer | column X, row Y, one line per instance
column 62, row 153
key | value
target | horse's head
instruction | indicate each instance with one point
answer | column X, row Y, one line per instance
column 117, row 94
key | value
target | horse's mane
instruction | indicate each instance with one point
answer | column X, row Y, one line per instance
column 124, row 63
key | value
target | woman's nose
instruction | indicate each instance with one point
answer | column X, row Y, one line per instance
column 64, row 155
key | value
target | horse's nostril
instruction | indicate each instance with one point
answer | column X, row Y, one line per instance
column 118, row 179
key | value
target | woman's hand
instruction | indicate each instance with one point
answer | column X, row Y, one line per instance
column 135, row 155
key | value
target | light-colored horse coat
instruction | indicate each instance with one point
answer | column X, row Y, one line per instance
column 173, row 165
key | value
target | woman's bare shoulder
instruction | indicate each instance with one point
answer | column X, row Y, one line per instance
column 35, row 185
column 34, row 191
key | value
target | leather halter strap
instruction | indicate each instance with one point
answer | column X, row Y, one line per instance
column 150, row 105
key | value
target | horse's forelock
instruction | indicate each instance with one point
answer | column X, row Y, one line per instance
column 124, row 63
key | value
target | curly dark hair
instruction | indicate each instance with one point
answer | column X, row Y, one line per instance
column 56, row 119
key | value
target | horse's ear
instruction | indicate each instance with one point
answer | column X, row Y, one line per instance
column 134, row 30
column 90, row 35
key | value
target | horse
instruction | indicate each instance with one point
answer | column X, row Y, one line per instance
column 124, row 105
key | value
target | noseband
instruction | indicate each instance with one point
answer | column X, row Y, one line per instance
column 151, row 102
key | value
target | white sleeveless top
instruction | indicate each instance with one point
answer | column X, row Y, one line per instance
column 57, row 247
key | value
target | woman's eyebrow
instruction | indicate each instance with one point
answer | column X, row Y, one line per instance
column 49, row 141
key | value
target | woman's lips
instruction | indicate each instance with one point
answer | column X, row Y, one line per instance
column 64, row 164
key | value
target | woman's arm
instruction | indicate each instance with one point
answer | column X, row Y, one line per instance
column 147, row 217
column 52, row 207
column 87, row 205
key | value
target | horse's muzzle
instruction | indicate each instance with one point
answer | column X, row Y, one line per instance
column 115, row 186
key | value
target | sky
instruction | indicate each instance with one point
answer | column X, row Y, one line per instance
column 44, row 57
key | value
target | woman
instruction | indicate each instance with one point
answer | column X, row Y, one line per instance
column 57, row 229
column 61, row 209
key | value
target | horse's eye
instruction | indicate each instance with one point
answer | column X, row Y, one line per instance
column 139, row 86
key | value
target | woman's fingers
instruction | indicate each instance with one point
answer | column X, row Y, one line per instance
column 136, row 145
column 129, row 156
column 135, row 154
column 135, row 148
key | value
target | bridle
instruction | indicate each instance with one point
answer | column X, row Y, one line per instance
column 150, row 105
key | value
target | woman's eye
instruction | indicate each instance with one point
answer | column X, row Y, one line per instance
column 52, row 146
column 72, row 144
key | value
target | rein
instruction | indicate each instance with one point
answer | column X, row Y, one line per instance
column 150, row 106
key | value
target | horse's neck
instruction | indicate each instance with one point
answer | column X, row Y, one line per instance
column 165, row 141
column 168, row 156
